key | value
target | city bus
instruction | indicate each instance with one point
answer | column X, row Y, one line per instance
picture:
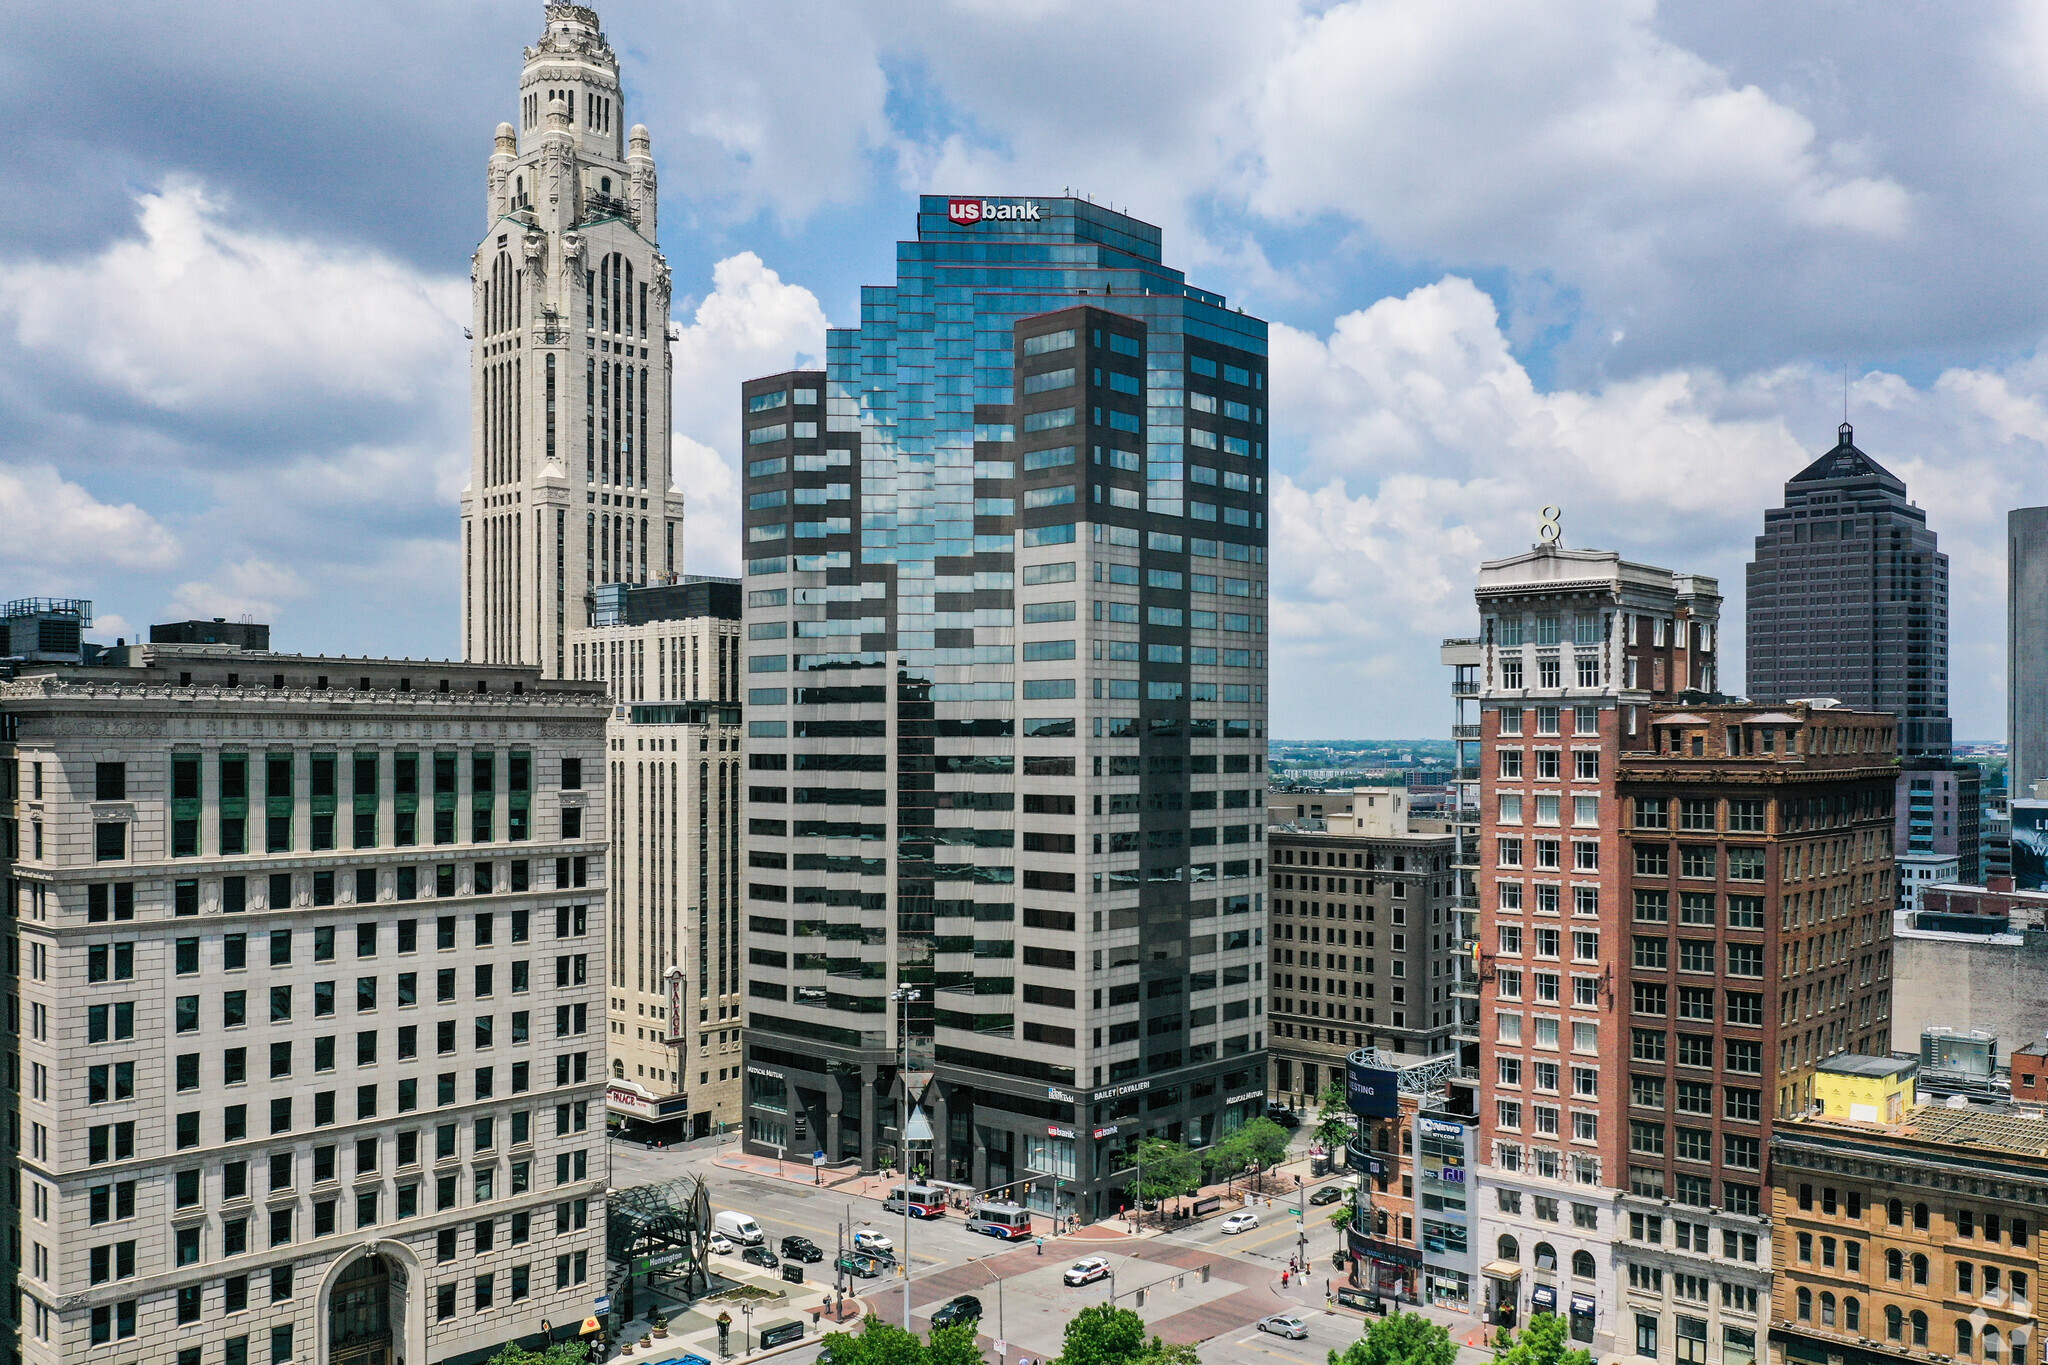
column 1009, row 1222
column 925, row 1202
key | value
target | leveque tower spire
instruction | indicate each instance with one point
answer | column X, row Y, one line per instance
column 569, row 468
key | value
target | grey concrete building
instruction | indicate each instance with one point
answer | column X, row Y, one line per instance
column 1848, row 598
column 1996, row 982
column 310, row 986
column 1364, row 942
column 569, row 483
column 1006, row 704
column 669, row 653
column 2026, row 647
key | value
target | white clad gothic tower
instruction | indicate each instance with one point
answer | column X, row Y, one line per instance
column 569, row 481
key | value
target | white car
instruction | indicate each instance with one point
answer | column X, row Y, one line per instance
column 1285, row 1325
column 867, row 1239
column 1088, row 1270
column 1240, row 1222
column 720, row 1244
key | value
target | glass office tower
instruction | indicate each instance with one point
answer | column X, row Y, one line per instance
column 1006, row 672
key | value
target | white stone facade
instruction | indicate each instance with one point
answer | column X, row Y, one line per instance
column 248, row 1063
column 570, row 473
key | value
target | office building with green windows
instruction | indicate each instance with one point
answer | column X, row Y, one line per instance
column 1005, row 639
column 309, row 955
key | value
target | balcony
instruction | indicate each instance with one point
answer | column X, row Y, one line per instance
column 1464, row 689
column 1464, row 732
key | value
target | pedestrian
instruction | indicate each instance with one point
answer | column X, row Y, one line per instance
column 1283, row 1279
column 1041, row 1246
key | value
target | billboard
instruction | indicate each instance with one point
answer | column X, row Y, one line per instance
column 2030, row 845
column 1373, row 1092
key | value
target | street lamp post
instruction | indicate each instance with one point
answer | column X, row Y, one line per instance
column 1002, row 1336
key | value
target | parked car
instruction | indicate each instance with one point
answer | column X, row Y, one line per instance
column 720, row 1245
column 866, row 1267
column 1328, row 1194
column 761, row 1256
column 1285, row 1325
column 802, row 1249
column 867, row 1239
column 1283, row 1116
column 1088, row 1270
column 1241, row 1222
column 965, row 1308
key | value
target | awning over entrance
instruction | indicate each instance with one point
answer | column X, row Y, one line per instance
column 1543, row 1299
column 1501, row 1270
column 1583, row 1305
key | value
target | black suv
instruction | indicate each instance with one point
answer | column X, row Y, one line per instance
column 965, row 1308
column 802, row 1249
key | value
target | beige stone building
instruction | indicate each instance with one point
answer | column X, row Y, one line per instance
column 310, row 968
column 669, row 655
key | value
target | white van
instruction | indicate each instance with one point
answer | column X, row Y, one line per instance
column 739, row 1229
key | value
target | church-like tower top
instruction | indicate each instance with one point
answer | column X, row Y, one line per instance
column 574, row 66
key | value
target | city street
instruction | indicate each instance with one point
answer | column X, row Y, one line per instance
column 1032, row 1305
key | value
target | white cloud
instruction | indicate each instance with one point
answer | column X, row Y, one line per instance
column 198, row 316
column 54, row 524
column 253, row 589
column 750, row 324
column 1426, row 447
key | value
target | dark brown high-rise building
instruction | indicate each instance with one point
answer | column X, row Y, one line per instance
column 1848, row 598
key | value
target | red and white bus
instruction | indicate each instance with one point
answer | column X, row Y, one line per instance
column 924, row 1201
column 1009, row 1222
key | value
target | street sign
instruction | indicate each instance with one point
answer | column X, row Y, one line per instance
column 603, row 1304
column 590, row 1325
column 818, row 1157
column 1002, row 1347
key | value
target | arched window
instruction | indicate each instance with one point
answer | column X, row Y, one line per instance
column 1990, row 1343
column 1919, row 1328
column 1827, row 1310
column 1894, row 1323
column 1852, row 1313
column 1806, row 1247
column 1895, row 1213
column 1963, row 1336
column 2019, row 1346
column 1920, row 1217
column 1919, row 1268
column 1805, row 1305
column 1546, row 1256
column 1894, row 1264
column 618, row 1070
column 1508, row 1250
column 1582, row 1264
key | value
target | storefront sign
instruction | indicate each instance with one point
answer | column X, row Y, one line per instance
column 1387, row 1252
column 1054, row 1130
column 1372, row 1092
column 1438, row 1128
column 753, row 1070
column 1053, row 1092
column 1247, row 1095
column 628, row 1101
column 675, row 1006
column 1133, row 1088
column 1101, row 1133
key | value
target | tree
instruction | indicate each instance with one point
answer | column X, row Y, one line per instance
column 1263, row 1141
column 1402, row 1339
column 561, row 1353
column 1542, row 1342
column 1336, row 1123
column 1340, row 1219
column 1102, row 1335
column 954, row 1346
column 1166, row 1169
column 879, row 1343
column 1168, row 1353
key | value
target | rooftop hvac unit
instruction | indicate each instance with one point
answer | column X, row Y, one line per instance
column 1971, row 1053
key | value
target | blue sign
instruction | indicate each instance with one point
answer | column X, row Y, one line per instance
column 1373, row 1093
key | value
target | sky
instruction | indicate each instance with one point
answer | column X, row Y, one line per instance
column 1615, row 257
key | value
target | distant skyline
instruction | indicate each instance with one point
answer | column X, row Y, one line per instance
column 1609, row 257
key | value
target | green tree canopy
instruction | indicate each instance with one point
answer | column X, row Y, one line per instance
column 561, row 1353
column 1102, row 1335
column 1166, row 1169
column 1542, row 1342
column 1402, row 1339
column 1336, row 1123
column 881, row 1343
column 954, row 1346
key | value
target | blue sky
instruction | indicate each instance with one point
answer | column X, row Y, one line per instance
column 1613, row 256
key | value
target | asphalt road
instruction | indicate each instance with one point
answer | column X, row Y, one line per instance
column 1034, row 1303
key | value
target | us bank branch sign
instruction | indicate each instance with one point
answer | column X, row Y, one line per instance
column 969, row 211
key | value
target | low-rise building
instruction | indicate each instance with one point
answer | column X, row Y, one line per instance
column 1919, row 1238
column 1364, row 941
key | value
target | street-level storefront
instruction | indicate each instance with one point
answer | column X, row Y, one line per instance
column 1385, row 1267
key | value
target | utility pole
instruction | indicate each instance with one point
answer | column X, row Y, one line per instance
column 903, row 995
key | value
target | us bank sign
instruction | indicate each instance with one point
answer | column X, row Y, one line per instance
column 966, row 212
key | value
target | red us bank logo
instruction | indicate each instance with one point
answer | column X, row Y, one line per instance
column 969, row 211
